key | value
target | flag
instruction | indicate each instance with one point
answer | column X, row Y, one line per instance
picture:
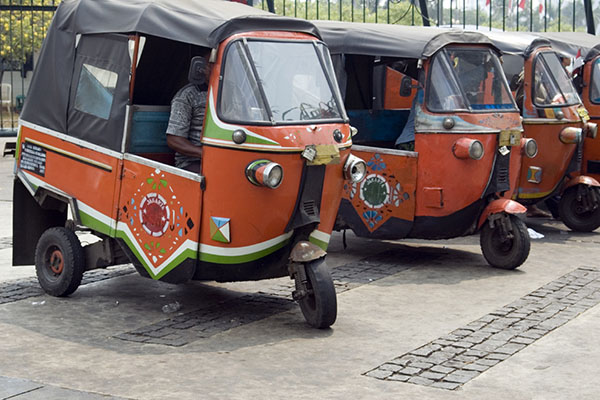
column 487, row 2
column 541, row 8
column 522, row 4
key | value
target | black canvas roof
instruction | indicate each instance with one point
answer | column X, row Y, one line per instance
column 571, row 43
column 200, row 22
column 391, row 40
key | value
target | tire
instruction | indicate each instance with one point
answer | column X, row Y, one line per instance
column 508, row 254
column 578, row 220
column 59, row 262
column 319, row 306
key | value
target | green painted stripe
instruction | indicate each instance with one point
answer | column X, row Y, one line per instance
column 318, row 242
column 218, row 259
column 18, row 147
column 95, row 224
column 215, row 132
column 187, row 253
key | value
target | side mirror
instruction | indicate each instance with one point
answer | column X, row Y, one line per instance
column 197, row 72
column 406, row 86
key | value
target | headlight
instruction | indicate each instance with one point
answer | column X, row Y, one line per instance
column 529, row 147
column 355, row 169
column 465, row 148
column 264, row 173
column 591, row 130
column 571, row 135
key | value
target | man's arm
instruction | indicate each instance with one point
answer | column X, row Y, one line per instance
column 183, row 146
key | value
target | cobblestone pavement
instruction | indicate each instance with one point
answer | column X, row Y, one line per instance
column 186, row 328
column 463, row 354
column 20, row 289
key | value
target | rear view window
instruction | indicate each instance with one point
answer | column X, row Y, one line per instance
column 95, row 91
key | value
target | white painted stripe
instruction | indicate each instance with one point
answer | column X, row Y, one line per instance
column 188, row 244
column 71, row 139
column 251, row 145
column 244, row 250
column 95, row 214
column 163, row 167
column 322, row 236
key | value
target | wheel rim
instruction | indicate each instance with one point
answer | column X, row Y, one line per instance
column 499, row 245
column 56, row 262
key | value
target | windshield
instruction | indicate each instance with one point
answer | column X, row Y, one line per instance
column 552, row 86
column 278, row 82
column 468, row 79
column 595, row 84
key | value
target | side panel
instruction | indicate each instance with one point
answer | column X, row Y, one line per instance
column 62, row 164
column 159, row 216
column 383, row 204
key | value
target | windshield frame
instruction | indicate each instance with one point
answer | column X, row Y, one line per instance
column 538, row 58
column 446, row 65
column 263, row 98
column 594, row 82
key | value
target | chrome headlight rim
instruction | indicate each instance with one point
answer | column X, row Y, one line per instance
column 259, row 173
column 355, row 169
column 571, row 135
column 528, row 144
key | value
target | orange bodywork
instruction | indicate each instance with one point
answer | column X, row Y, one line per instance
column 591, row 146
column 542, row 175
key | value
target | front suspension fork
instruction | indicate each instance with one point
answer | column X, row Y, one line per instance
column 587, row 199
column 501, row 221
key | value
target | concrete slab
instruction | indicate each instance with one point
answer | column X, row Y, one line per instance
column 11, row 387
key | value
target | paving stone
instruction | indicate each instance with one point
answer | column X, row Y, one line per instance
column 399, row 378
column 487, row 361
column 411, row 370
column 497, row 356
column 454, row 364
column 466, row 359
column 442, row 370
column 463, row 344
column 426, row 350
column 461, row 376
column 440, row 356
column 391, row 367
column 521, row 340
column 379, row 373
column 420, row 381
column 476, row 367
column 436, row 376
column 475, row 353
column 420, row 364
column 510, row 348
column 489, row 345
column 445, row 385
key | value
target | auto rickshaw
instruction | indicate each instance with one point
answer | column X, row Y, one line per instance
column 467, row 137
column 584, row 50
column 93, row 155
column 555, row 117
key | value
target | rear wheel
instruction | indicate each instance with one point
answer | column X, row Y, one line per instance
column 505, row 246
column 318, row 299
column 579, row 208
column 59, row 261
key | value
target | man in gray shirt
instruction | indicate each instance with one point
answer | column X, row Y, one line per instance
column 184, row 132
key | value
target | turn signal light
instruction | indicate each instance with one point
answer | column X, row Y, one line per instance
column 571, row 135
column 465, row 148
column 590, row 130
column 529, row 147
column 265, row 173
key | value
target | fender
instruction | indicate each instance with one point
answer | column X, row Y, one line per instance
column 581, row 179
column 501, row 205
column 305, row 251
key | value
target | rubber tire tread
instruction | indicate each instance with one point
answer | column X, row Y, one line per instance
column 324, row 314
column 73, row 258
column 567, row 214
column 517, row 254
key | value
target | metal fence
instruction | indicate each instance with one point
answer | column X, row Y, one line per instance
column 23, row 25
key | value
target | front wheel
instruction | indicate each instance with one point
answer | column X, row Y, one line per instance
column 59, row 261
column 507, row 244
column 317, row 294
column 579, row 209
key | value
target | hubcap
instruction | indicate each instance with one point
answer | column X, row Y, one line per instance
column 56, row 262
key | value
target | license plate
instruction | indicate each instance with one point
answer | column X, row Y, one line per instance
column 509, row 138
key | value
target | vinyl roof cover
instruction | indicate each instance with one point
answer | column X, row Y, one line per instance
column 392, row 40
column 571, row 42
column 201, row 22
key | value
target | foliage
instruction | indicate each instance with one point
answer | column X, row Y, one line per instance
column 22, row 30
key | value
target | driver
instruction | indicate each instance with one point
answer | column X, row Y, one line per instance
column 184, row 132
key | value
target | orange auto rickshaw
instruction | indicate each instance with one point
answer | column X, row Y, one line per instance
column 553, row 115
column 467, row 137
column 92, row 153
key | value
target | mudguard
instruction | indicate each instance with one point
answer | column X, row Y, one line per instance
column 305, row 251
column 581, row 179
column 501, row 205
